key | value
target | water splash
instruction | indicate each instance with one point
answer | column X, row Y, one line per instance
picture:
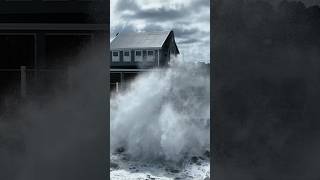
column 164, row 114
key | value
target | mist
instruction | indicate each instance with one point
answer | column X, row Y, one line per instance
column 266, row 90
column 164, row 114
column 60, row 135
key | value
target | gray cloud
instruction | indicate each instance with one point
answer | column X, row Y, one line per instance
column 182, row 32
column 163, row 13
column 197, row 5
column 122, row 28
column 159, row 14
column 188, row 41
column 127, row 5
column 185, row 20
column 153, row 27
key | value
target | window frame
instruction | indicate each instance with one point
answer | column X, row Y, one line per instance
column 116, row 58
column 126, row 58
column 35, row 56
column 113, row 52
column 151, row 58
column 140, row 57
column 138, row 51
column 150, row 51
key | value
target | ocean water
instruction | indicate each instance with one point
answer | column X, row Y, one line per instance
column 161, row 121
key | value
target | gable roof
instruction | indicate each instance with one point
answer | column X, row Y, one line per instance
column 139, row 40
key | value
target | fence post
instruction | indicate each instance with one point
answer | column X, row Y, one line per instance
column 23, row 81
column 117, row 86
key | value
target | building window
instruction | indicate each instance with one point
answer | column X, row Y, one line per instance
column 150, row 53
column 115, row 53
column 115, row 56
column 126, row 56
column 150, row 56
column 60, row 56
column 17, row 50
column 138, row 57
column 138, row 53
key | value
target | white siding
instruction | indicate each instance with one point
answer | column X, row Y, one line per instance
column 138, row 56
column 126, row 56
column 150, row 55
column 115, row 56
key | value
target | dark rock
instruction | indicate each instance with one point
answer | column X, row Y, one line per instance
column 194, row 159
column 174, row 171
column 120, row 150
column 125, row 158
column 207, row 154
column 114, row 165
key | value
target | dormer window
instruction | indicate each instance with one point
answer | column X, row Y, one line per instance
column 138, row 56
column 150, row 55
column 115, row 56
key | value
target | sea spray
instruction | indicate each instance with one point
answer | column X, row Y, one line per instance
column 164, row 114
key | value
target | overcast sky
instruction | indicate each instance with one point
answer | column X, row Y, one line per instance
column 190, row 20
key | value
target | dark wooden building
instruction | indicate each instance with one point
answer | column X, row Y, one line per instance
column 133, row 53
column 39, row 42
column 40, row 37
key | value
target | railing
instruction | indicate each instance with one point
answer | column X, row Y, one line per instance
column 25, row 80
column 119, row 86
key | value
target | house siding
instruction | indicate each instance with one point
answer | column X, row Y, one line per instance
column 132, row 62
column 168, row 48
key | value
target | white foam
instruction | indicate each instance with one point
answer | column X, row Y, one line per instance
column 164, row 114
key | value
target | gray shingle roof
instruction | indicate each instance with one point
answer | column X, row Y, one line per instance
column 139, row 40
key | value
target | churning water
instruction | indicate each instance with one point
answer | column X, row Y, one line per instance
column 164, row 114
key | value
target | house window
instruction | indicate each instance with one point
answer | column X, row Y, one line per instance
column 57, row 55
column 150, row 53
column 150, row 56
column 115, row 56
column 138, row 53
column 17, row 50
column 138, row 57
column 126, row 56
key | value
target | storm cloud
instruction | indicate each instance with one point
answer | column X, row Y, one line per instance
column 190, row 20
